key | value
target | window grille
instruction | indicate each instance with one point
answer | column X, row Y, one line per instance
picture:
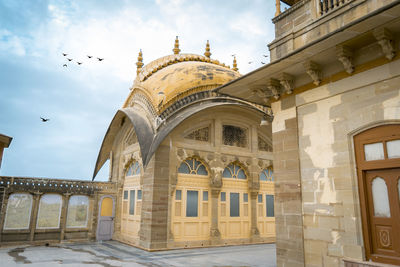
column 267, row 174
column 134, row 169
column 234, row 136
column 263, row 145
column 199, row 135
column 233, row 170
column 192, row 166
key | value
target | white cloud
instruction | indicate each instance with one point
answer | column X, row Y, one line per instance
column 10, row 43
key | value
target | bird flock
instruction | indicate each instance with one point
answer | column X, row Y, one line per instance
column 70, row 60
column 250, row 62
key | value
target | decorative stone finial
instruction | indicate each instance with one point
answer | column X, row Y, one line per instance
column 235, row 68
column 176, row 49
column 139, row 63
column 207, row 53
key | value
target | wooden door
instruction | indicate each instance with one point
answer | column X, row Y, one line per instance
column 105, row 227
column 378, row 168
column 384, row 213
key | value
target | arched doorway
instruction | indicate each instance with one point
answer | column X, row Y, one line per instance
column 105, row 226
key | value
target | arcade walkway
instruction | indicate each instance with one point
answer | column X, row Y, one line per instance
column 112, row 254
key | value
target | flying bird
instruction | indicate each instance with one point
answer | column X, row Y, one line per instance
column 65, row 54
column 250, row 62
column 69, row 59
column 100, row 59
column 65, row 65
column 89, row 56
column 265, row 55
column 44, row 120
column 79, row 63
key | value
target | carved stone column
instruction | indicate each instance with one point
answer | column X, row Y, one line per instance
column 35, row 208
column 63, row 218
column 215, row 234
column 254, row 188
column 255, row 233
column 215, row 184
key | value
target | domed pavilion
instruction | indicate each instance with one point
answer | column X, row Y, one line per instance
column 193, row 167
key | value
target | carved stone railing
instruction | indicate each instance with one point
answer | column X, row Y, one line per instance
column 45, row 185
column 328, row 5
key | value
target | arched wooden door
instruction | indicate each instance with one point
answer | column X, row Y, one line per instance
column 105, row 226
column 378, row 166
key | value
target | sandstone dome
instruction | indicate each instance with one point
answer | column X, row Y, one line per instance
column 171, row 78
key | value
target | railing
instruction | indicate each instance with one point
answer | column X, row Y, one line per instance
column 54, row 185
column 329, row 5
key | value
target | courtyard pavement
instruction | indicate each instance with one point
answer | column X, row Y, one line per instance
column 113, row 254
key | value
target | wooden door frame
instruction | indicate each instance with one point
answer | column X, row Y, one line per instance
column 373, row 134
column 99, row 213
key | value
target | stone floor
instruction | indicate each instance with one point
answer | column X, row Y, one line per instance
column 112, row 253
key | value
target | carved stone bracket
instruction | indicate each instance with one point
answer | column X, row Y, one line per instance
column 314, row 71
column 385, row 40
column 274, row 86
column 216, row 179
column 287, row 82
column 262, row 93
column 345, row 55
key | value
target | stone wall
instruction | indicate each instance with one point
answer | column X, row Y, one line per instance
column 288, row 205
column 328, row 118
column 37, row 187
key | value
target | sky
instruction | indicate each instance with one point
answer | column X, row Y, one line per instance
column 81, row 100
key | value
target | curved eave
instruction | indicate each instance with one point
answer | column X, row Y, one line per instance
column 143, row 130
column 147, row 139
column 187, row 112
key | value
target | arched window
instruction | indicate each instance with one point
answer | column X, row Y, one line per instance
column 234, row 170
column 134, row 169
column 49, row 211
column 192, row 166
column 267, row 174
column 78, row 207
column 18, row 211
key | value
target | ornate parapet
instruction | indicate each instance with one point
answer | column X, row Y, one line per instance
column 43, row 185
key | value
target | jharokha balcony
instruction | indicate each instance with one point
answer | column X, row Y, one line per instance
column 302, row 22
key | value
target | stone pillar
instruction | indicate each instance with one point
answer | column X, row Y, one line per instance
column 118, row 211
column 93, row 210
column 255, row 233
column 34, row 214
column 153, row 232
column 288, row 199
column 215, row 235
column 63, row 218
column 215, row 186
column 3, row 209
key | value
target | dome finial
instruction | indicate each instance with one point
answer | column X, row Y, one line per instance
column 176, row 49
column 207, row 53
column 139, row 63
column 235, row 68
